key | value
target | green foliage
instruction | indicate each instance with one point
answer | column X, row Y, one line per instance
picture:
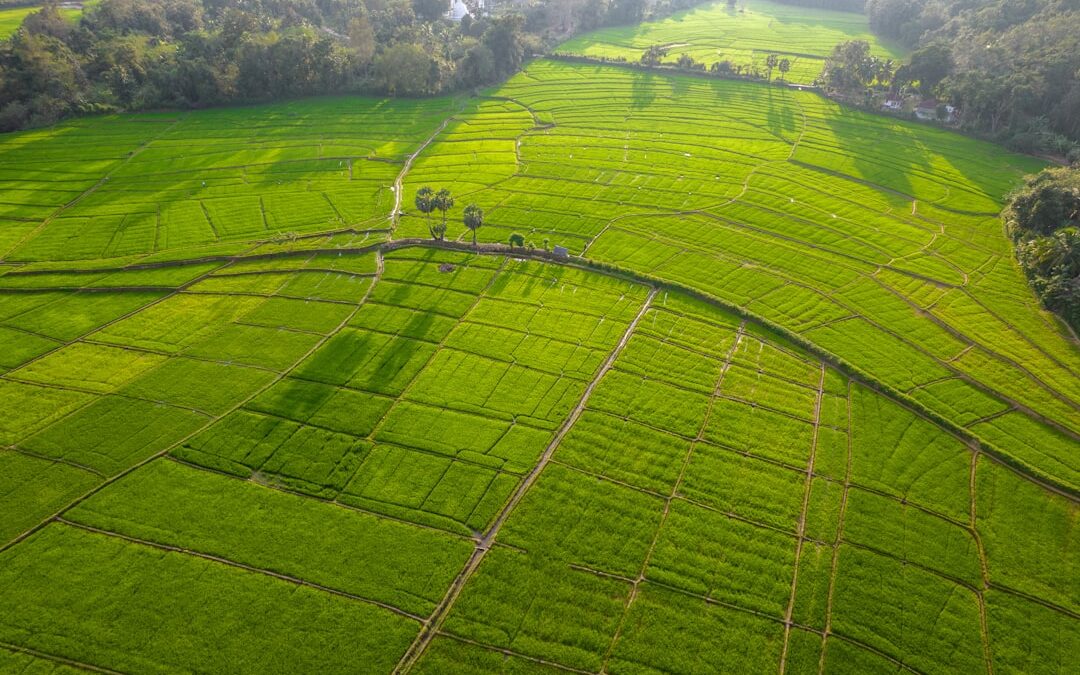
column 1017, row 65
column 653, row 55
column 928, row 67
column 1043, row 218
column 443, row 201
column 850, row 67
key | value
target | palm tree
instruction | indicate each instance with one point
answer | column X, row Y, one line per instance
column 444, row 202
column 474, row 218
column 770, row 63
column 425, row 204
column 886, row 68
column 785, row 66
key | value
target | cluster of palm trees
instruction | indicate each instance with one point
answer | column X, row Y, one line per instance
column 428, row 200
column 774, row 61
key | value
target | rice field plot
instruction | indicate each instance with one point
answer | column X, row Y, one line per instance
column 716, row 477
column 436, row 461
column 647, row 524
column 743, row 36
column 442, row 390
column 146, row 185
column 126, row 375
column 873, row 238
column 64, row 583
column 917, row 618
column 37, row 322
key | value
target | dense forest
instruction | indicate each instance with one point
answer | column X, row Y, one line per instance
column 144, row 54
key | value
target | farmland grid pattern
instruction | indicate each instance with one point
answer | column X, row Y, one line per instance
column 883, row 553
column 765, row 408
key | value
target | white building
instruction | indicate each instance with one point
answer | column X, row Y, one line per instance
column 459, row 9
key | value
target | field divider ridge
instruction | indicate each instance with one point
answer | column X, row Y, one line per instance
column 213, row 420
column 984, row 566
column 801, row 526
column 58, row 659
column 700, row 437
column 835, row 562
column 432, row 625
column 232, row 563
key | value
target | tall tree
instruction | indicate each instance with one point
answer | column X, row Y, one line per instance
column 425, row 204
column 849, row 67
column 473, row 218
column 404, row 69
column 504, row 38
column 430, row 10
column 443, row 201
column 362, row 39
column 770, row 63
column 928, row 66
column 653, row 55
column 785, row 66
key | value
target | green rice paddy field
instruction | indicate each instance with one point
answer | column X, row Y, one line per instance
column 808, row 419
column 745, row 36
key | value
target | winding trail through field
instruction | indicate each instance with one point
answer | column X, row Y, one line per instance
column 399, row 182
column 431, row 626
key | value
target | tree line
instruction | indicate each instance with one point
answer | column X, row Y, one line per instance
column 1011, row 66
column 428, row 200
column 123, row 55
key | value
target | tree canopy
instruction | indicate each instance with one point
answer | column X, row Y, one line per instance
column 1013, row 67
column 1043, row 218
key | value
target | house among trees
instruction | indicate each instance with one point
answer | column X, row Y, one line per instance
column 893, row 104
column 932, row 109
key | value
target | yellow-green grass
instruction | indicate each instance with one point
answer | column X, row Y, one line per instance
column 296, row 453
column 11, row 19
column 745, row 36
column 208, row 181
column 711, row 461
column 875, row 239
